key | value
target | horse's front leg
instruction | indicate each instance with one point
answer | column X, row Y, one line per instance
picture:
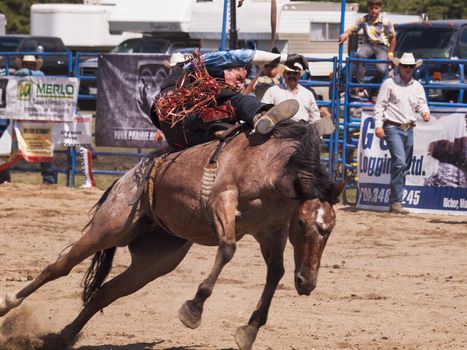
column 272, row 249
column 223, row 210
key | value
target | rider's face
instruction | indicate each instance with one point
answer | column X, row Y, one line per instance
column 235, row 78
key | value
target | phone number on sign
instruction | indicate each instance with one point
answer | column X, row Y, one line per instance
column 381, row 195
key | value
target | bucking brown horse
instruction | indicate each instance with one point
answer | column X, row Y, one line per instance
column 271, row 187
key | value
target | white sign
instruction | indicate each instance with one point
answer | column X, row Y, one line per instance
column 5, row 140
column 38, row 98
column 437, row 179
column 77, row 132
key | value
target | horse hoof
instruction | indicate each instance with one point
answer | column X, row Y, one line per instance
column 245, row 337
column 9, row 302
column 55, row 341
column 190, row 315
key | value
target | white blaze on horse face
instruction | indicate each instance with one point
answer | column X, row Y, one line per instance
column 320, row 218
column 325, row 217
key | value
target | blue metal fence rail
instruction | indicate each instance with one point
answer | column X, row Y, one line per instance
column 10, row 56
column 339, row 145
column 79, row 56
column 329, row 141
column 349, row 125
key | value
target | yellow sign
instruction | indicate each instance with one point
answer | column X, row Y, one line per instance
column 35, row 141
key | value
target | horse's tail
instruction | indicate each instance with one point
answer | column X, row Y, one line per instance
column 97, row 272
column 99, row 203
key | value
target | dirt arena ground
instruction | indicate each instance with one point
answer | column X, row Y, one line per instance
column 386, row 282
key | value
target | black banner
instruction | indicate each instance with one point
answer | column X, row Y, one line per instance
column 126, row 88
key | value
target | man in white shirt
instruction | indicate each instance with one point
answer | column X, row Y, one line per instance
column 291, row 89
column 399, row 101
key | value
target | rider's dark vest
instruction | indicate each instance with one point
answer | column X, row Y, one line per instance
column 199, row 127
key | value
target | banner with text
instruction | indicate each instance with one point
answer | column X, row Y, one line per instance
column 75, row 133
column 127, row 86
column 38, row 98
column 35, row 141
column 437, row 179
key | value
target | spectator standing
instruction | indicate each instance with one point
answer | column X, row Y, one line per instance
column 30, row 66
column 399, row 101
column 379, row 39
column 291, row 89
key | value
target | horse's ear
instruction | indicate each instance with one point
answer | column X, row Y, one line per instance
column 338, row 188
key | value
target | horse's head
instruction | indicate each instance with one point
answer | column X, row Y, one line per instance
column 310, row 227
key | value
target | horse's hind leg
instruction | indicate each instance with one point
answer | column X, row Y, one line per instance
column 224, row 208
column 82, row 249
column 272, row 249
column 154, row 253
column 110, row 226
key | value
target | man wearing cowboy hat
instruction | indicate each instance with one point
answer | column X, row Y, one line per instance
column 29, row 65
column 291, row 89
column 399, row 101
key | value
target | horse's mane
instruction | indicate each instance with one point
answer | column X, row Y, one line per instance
column 312, row 180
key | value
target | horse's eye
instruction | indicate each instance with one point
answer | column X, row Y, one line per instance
column 320, row 230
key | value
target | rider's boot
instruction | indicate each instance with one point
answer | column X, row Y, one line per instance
column 265, row 123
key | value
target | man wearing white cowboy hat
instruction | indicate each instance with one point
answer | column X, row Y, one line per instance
column 29, row 65
column 400, row 100
column 291, row 89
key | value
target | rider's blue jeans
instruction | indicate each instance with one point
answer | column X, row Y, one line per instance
column 400, row 144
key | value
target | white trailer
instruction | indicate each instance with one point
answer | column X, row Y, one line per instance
column 309, row 28
column 82, row 27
